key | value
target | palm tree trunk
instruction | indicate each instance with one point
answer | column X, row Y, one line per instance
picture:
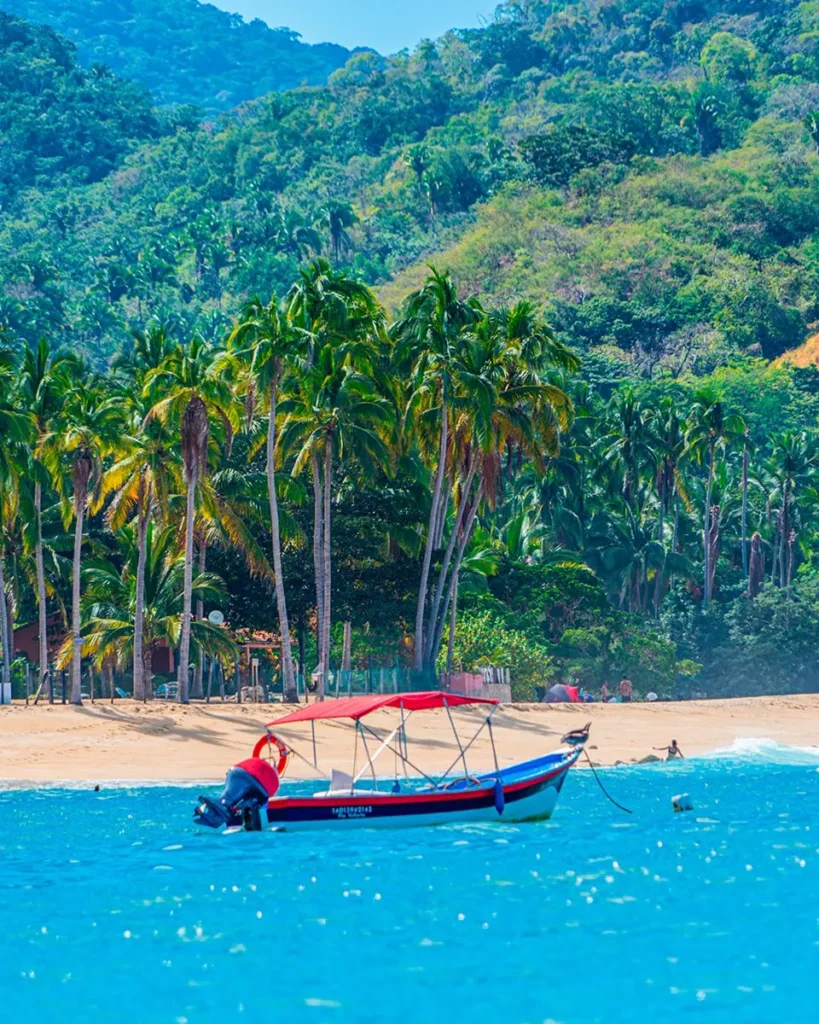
column 456, row 571
column 42, row 605
column 786, row 531
column 775, row 558
column 442, row 575
column 318, row 546
column 440, row 519
column 745, row 465
column 658, row 585
column 422, row 586
column 8, row 653
column 453, row 621
column 328, row 484
column 140, row 693
column 76, row 634
column 791, row 542
column 197, row 690
column 706, row 531
column 346, row 653
column 185, row 638
column 148, row 662
column 291, row 695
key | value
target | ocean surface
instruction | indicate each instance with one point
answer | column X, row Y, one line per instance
column 114, row 908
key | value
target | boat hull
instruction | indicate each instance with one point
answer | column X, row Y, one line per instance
column 530, row 793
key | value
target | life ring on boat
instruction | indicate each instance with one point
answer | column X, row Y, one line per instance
column 273, row 741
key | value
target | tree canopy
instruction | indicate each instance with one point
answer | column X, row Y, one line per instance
column 648, row 166
column 184, row 51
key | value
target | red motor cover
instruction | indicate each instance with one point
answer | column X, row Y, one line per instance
column 265, row 774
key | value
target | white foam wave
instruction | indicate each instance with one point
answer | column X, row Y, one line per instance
column 763, row 750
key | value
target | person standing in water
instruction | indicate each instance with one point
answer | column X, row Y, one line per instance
column 672, row 750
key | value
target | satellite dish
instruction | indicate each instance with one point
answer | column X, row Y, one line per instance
column 216, row 618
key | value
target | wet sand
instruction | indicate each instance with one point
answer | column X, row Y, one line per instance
column 164, row 742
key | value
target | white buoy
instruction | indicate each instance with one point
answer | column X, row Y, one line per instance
column 681, row 802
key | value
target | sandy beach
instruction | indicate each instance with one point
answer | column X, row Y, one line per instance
column 166, row 742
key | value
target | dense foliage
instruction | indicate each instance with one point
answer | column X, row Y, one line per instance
column 649, row 167
column 637, row 178
column 61, row 125
column 185, row 51
column 447, row 483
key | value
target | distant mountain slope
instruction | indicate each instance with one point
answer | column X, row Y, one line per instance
column 646, row 170
column 185, row 51
column 60, row 124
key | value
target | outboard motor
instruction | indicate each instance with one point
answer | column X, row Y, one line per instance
column 248, row 787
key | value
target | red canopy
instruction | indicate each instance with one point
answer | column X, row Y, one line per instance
column 358, row 707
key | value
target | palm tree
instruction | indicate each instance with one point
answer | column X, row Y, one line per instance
column 341, row 317
column 333, row 411
column 746, row 460
column 339, row 216
column 111, row 596
column 86, row 429
column 793, row 463
column 623, row 551
column 15, row 432
column 274, row 341
column 500, row 401
column 141, row 481
column 188, row 388
column 625, row 449
column 428, row 336
column 711, row 429
column 44, row 380
column 667, row 441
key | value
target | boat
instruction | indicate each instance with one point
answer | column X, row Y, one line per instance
column 522, row 792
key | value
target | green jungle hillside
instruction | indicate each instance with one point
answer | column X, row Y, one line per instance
column 647, row 169
column 184, row 51
column 585, row 445
column 59, row 124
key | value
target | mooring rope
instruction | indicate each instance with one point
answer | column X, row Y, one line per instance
column 600, row 784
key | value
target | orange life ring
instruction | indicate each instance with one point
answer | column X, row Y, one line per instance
column 284, row 754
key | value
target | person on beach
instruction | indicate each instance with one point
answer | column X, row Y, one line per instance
column 604, row 692
column 625, row 689
column 672, row 750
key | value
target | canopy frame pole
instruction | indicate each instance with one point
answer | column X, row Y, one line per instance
column 406, row 760
column 292, row 750
column 402, row 741
column 483, row 725
column 384, row 746
column 369, row 761
column 355, row 753
column 494, row 751
column 457, row 738
column 313, row 731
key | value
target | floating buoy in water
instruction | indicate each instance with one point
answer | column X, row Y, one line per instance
column 681, row 802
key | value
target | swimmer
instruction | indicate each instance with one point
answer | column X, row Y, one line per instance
column 672, row 750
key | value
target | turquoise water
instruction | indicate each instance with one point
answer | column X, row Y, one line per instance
column 114, row 908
